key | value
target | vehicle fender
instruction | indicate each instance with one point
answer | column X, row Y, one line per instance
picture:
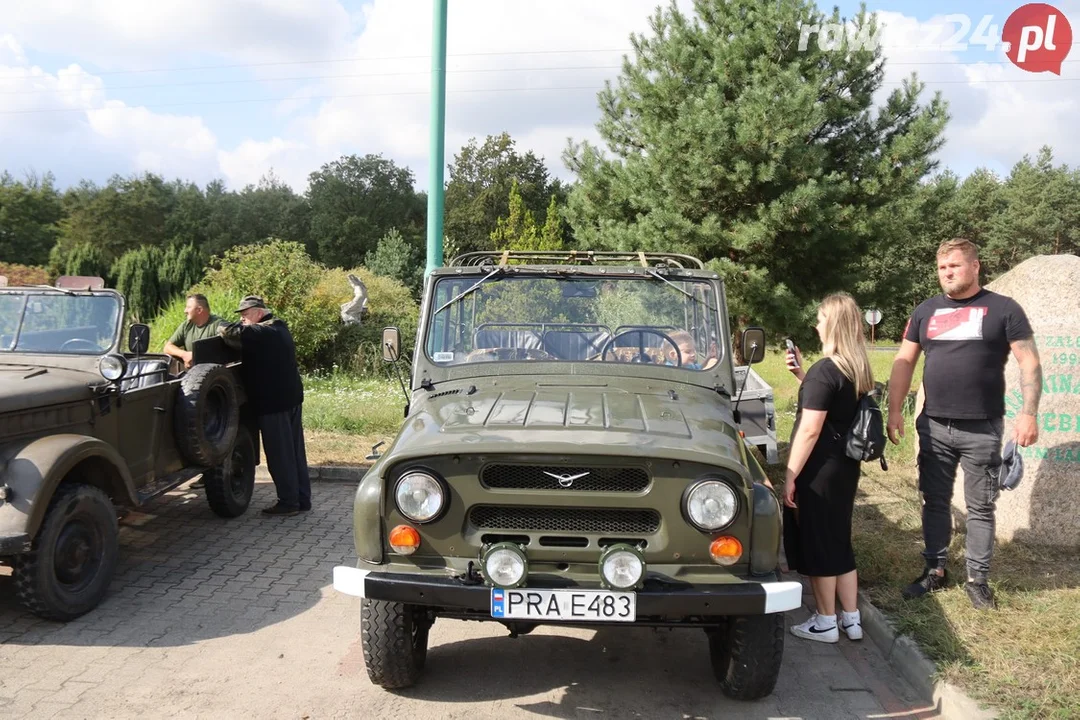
column 33, row 469
column 766, row 533
column 367, row 517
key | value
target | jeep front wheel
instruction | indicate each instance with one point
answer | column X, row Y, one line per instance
column 229, row 486
column 395, row 638
column 746, row 653
column 72, row 558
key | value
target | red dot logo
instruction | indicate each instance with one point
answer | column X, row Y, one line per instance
column 1037, row 38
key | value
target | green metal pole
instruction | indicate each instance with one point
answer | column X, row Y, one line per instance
column 438, row 138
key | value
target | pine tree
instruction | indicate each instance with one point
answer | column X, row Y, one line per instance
column 551, row 237
column 136, row 274
column 727, row 140
column 518, row 231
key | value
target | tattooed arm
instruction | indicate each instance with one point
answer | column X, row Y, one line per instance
column 1031, row 384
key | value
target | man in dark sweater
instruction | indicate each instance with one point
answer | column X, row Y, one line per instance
column 276, row 393
column 967, row 334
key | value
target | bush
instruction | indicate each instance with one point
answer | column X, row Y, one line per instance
column 136, row 276
column 308, row 297
column 24, row 274
column 288, row 280
column 358, row 348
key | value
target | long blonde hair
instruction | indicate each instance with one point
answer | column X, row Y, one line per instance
column 844, row 342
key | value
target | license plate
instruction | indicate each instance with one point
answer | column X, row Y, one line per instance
column 566, row 605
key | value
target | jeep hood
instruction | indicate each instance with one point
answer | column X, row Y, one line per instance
column 662, row 420
column 26, row 386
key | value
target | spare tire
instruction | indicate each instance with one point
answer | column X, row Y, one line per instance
column 207, row 415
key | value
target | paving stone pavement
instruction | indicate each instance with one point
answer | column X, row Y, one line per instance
column 211, row 618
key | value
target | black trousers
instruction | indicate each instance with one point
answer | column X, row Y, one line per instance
column 283, row 445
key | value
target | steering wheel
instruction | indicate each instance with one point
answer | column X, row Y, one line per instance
column 610, row 344
column 89, row 344
column 506, row 354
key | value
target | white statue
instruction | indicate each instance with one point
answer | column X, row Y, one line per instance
column 353, row 312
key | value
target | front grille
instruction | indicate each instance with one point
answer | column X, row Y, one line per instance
column 590, row 479
column 580, row 520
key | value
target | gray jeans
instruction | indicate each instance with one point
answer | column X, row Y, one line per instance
column 974, row 445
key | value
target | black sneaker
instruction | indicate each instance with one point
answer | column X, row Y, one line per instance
column 980, row 594
column 279, row 509
column 927, row 583
column 305, row 508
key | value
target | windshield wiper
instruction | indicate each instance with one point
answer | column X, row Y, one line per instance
column 466, row 291
column 690, row 295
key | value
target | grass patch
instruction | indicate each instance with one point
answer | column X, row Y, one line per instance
column 342, row 403
column 1023, row 658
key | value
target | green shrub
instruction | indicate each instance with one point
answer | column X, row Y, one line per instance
column 358, row 348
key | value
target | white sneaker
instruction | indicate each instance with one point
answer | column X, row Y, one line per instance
column 810, row 631
column 854, row 630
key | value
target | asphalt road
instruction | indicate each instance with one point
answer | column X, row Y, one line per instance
column 237, row 619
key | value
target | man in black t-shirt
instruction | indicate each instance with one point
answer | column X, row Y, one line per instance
column 967, row 334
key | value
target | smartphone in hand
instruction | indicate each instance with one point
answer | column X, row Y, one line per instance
column 791, row 349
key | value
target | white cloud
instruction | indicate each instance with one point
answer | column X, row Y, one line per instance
column 140, row 34
column 84, row 131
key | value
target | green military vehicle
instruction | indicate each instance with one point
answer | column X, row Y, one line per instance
column 87, row 432
column 571, row 454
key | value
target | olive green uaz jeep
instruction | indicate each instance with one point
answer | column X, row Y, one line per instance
column 571, row 454
column 86, row 429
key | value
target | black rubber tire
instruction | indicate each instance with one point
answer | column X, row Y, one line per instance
column 229, row 494
column 76, row 513
column 395, row 639
column 746, row 654
column 207, row 415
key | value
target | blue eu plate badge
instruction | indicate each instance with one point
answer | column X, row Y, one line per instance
column 498, row 597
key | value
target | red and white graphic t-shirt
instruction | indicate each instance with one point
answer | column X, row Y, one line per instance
column 967, row 343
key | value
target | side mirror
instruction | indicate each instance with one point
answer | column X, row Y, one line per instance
column 753, row 345
column 139, row 338
column 391, row 344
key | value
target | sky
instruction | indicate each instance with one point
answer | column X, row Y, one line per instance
column 236, row 89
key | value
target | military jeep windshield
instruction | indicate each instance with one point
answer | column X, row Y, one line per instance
column 58, row 322
column 643, row 317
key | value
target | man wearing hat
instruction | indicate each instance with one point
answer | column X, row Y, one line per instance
column 276, row 392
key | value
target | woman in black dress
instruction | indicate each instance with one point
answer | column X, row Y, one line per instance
column 820, row 483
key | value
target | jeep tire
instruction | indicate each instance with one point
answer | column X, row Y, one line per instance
column 72, row 558
column 207, row 414
column 746, row 653
column 395, row 639
column 229, row 490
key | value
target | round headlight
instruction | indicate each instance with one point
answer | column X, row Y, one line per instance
column 622, row 567
column 505, row 565
column 711, row 505
column 112, row 367
column 420, row 497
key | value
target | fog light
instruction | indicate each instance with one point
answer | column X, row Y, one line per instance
column 504, row 564
column 404, row 540
column 622, row 567
column 725, row 550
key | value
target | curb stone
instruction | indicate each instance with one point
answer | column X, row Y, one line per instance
column 910, row 662
column 324, row 473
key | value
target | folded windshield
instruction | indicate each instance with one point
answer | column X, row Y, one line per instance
column 55, row 323
column 646, row 319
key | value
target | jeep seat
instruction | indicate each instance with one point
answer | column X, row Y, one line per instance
column 144, row 372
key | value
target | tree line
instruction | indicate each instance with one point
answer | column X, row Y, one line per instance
column 769, row 160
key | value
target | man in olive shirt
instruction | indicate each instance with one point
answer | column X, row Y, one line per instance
column 200, row 324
